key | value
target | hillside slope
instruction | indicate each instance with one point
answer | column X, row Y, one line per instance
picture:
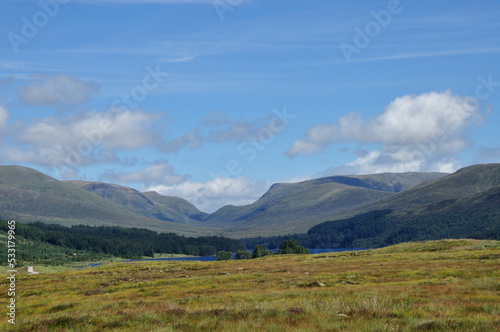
column 29, row 195
column 464, row 182
column 473, row 216
column 150, row 204
column 295, row 207
column 465, row 204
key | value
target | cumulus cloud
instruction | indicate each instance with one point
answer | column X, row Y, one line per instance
column 216, row 193
column 159, row 174
column 84, row 139
column 4, row 117
column 56, row 90
column 414, row 132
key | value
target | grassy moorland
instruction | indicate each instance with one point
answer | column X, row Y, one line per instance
column 447, row 285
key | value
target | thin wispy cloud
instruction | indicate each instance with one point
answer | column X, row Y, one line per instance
column 181, row 59
column 476, row 51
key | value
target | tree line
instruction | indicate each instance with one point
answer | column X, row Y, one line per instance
column 381, row 228
column 119, row 241
column 287, row 247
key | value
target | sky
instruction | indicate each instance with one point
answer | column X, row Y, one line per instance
column 216, row 100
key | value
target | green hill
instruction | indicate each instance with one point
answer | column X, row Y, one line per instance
column 413, row 198
column 466, row 181
column 28, row 195
column 465, row 204
column 473, row 216
column 150, row 204
column 296, row 207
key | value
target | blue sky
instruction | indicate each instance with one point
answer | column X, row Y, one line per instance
column 215, row 100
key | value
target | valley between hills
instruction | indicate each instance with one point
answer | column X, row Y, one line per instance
column 431, row 205
column 437, row 270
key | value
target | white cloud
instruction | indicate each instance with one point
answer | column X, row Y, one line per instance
column 84, row 139
column 159, row 174
column 56, row 90
column 214, row 194
column 114, row 130
column 130, row 130
column 414, row 133
column 186, row 58
column 4, row 116
column 296, row 179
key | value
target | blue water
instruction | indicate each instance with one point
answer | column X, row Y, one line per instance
column 213, row 258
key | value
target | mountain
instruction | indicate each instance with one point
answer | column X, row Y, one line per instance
column 149, row 204
column 178, row 208
column 470, row 216
column 286, row 208
column 29, row 195
column 464, row 182
column 296, row 207
column 465, row 204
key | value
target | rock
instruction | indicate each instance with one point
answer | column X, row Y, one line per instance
column 348, row 282
column 314, row 284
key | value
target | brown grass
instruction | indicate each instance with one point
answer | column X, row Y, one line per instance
column 428, row 286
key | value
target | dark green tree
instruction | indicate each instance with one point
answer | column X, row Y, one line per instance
column 224, row 255
column 291, row 247
column 258, row 251
column 243, row 254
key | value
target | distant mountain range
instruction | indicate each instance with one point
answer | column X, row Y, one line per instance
column 28, row 195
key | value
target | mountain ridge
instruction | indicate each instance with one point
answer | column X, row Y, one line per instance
column 29, row 195
column 285, row 208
